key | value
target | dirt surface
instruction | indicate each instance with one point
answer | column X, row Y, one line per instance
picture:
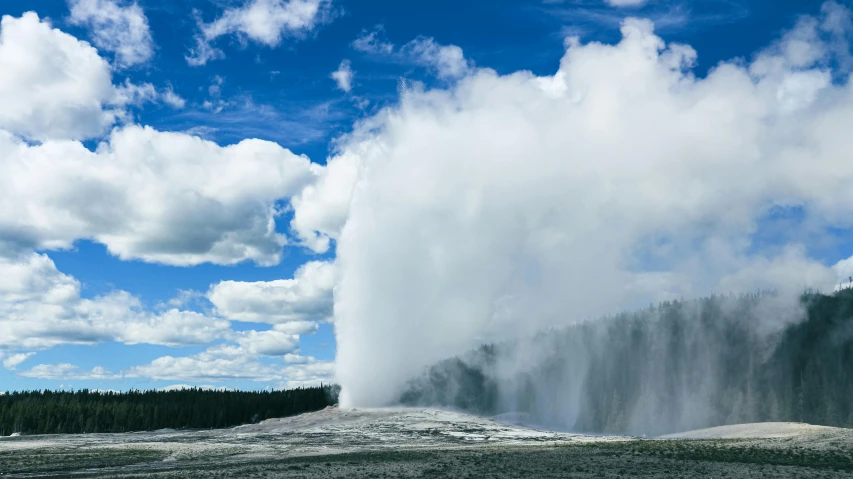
column 422, row 443
column 764, row 430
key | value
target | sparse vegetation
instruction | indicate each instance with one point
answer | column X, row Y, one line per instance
column 389, row 443
column 654, row 459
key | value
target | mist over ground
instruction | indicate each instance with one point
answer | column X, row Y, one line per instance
column 504, row 205
column 678, row 366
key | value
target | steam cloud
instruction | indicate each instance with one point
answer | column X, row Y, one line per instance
column 508, row 204
column 679, row 366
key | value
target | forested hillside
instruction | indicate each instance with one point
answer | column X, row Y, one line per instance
column 678, row 366
column 55, row 412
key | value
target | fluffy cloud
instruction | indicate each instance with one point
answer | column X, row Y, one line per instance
column 155, row 196
column 54, row 86
column 229, row 363
column 343, row 76
column 507, row 204
column 298, row 359
column 41, row 307
column 13, row 360
column 215, row 364
column 51, row 84
column 170, row 328
column 297, row 327
column 118, row 27
column 306, row 297
column 262, row 21
column 218, row 363
column 160, row 197
column 816, row 40
column 268, row 343
column 321, row 208
column 447, row 61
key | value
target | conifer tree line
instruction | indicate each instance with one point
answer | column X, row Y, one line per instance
column 84, row 411
column 678, row 366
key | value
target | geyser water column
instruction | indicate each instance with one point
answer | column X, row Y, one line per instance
column 505, row 204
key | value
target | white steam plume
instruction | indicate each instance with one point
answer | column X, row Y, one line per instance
column 507, row 204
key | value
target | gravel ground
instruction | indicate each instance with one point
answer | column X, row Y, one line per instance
column 424, row 443
column 765, row 430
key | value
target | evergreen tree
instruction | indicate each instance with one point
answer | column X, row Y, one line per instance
column 64, row 412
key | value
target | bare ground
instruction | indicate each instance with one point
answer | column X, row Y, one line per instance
column 428, row 443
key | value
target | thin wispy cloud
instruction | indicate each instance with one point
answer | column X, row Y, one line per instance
column 290, row 123
column 626, row 3
column 447, row 62
column 584, row 17
column 373, row 41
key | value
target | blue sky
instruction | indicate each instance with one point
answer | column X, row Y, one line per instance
column 272, row 83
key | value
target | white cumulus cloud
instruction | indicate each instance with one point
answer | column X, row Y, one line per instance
column 306, row 297
column 118, row 27
column 40, row 307
column 51, row 84
column 268, row 343
column 297, row 327
column 54, row 86
column 321, row 208
column 219, row 363
column 447, row 61
column 262, row 21
column 149, row 195
column 223, row 363
column 215, row 364
column 160, row 197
